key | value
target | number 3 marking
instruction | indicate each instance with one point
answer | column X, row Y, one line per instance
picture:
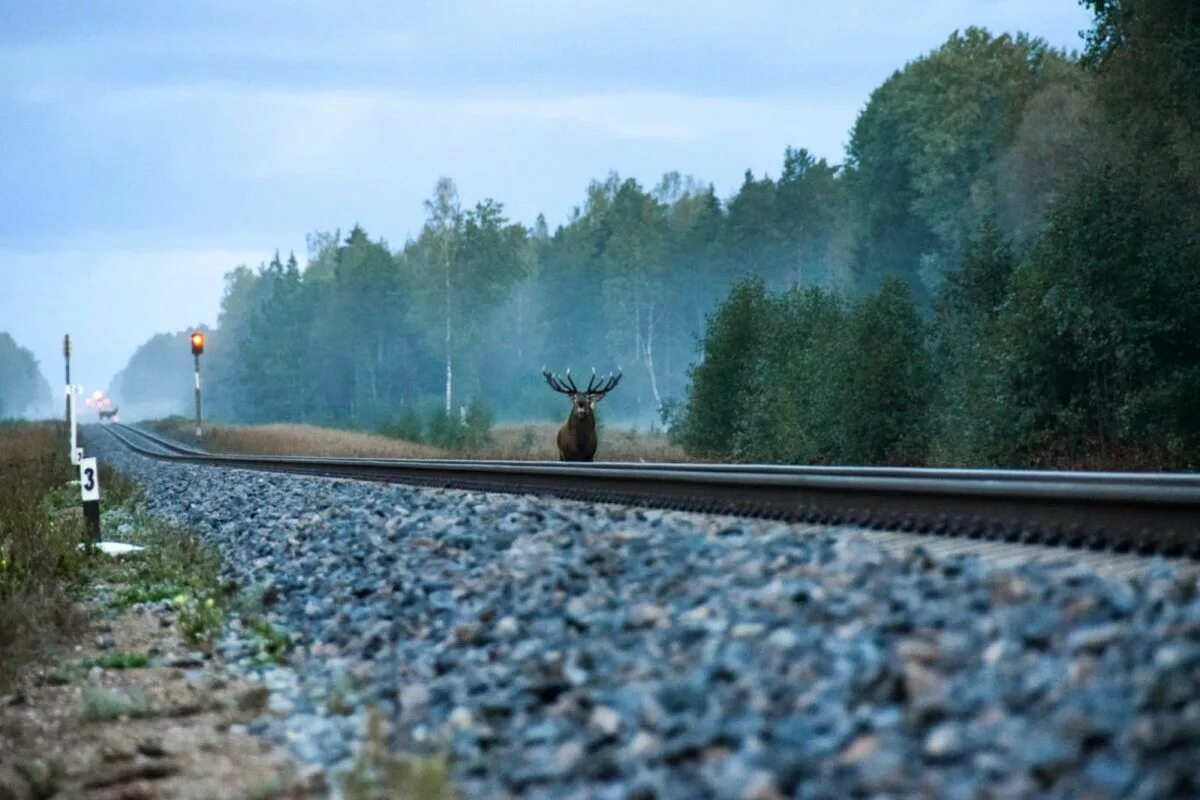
column 91, row 479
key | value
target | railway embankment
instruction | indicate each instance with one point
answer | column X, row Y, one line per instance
column 551, row 648
column 109, row 682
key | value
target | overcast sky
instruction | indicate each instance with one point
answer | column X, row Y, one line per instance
column 146, row 148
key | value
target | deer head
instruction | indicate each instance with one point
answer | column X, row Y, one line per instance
column 583, row 403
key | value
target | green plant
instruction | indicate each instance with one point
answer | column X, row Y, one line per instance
column 40, row 561
column 272, row 643
column 378, row 774
column 406, row 425
column 104, row 704
column 116, row 661
column 199, row 618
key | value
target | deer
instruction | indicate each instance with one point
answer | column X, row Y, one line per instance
column 577, row 437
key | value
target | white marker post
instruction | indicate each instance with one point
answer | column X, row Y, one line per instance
column 89, row 490
column 76, row 451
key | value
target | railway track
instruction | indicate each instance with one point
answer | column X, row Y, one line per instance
column 1144, row 513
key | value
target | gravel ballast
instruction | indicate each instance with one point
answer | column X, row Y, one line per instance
column 559, row 649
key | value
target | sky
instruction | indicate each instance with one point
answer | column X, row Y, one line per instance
column 147, row 147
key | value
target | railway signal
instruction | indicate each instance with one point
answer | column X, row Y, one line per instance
column 197, row 339
column 67, row 358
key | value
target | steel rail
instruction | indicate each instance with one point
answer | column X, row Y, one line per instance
column 1170, row 479
column 1145, row 512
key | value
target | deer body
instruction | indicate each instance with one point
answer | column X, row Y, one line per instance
column 577, row 438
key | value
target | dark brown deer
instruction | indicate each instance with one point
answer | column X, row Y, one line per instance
column 577, row 438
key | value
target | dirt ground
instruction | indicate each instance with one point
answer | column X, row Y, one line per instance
column 83, row 727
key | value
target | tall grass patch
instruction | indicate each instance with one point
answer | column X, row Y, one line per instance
column 40, row 561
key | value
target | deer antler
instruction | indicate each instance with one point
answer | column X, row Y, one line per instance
column 557, row 385
column 605, row 385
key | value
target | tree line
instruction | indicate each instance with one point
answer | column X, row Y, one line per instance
column 23, row 388
column 1041, row 304
column 999, row 272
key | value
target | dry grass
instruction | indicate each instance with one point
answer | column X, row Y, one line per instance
column 533, row 441
column 40, row 561
column 536, row 441
column 301, row 440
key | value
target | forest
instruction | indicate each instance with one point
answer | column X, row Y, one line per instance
column 23, row 388
column 1002, row 271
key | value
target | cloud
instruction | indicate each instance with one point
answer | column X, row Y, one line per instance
column 110, row 301
column 147, row 147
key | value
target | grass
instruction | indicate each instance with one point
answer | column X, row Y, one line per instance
column 117, row 661
column 174, row 563
column 290, row 439
column 174, row 567
column 106, row 704
column 537, row 441
column 44, row 572
column 40, row 561
column 378, row 774
column 200, row 618
column 521, row 442
column 272, row 643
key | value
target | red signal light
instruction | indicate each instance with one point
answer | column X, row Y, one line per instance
column 197, row 343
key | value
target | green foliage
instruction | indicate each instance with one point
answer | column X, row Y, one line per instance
column 720, row 382
column 407, row 425
column 199, row 618
column 883, row 381
column 101, row 704
column 1105, row 328
column 22, row 387
column 923, row 151
column 801, row 377
column 40, row 559
column 173, row 564
column 378, row 774
column 972, row 422
column 116, row 661
column 999, row 274
column 469, row 428
column 791, row 405
column 272, row 643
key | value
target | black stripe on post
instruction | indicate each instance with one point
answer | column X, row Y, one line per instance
column 91, row 517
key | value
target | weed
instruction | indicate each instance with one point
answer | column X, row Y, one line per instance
column 40, row 562
column 117, row 489
column 272, row 643
column 380, row 775
column 42, row 777
column 340, row 699
column 102, row 704
column 174, row 563
column 200, row 618
column 117, row 661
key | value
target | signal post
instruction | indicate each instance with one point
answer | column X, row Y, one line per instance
column 197, row 350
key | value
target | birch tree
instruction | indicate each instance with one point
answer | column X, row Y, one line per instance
column 443, row 229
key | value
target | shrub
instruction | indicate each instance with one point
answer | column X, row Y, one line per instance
column 407, row 425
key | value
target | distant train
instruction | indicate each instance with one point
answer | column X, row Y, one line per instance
column 109, row 413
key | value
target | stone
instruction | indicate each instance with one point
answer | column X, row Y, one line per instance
column 605, row 720
column 414, row 697
column 1095, row 638
column 646, row 615
column 507, row 627
column 945, row 742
